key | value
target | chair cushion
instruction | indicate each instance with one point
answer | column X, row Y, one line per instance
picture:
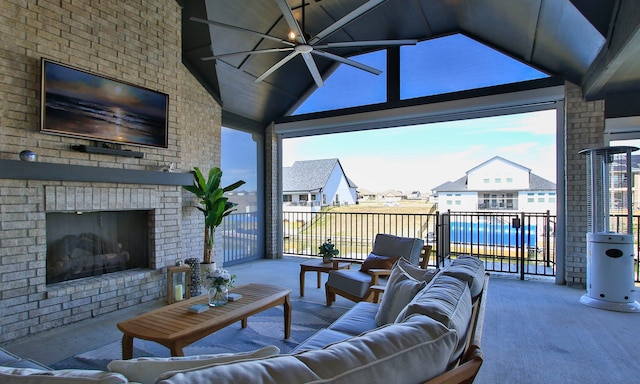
column 359, row 319
column 275, row 369
column 447, row 300
column 352, row 281
column 374, row 261
column 470, row 269
column 10, row 375
column 410, row 352
column 399, row 291
column 396, row 246
column 146, row 369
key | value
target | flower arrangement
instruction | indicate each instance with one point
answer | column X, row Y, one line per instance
column 219, row 278
column 327, row 250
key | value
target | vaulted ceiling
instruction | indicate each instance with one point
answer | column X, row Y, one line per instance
column 593, row 43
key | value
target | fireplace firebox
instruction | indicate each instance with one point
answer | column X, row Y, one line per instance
column 84, row 244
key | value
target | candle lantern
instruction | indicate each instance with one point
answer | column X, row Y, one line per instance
column 178, row 283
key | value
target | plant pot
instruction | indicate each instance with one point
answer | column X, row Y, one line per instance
column 327, row 259
column 204, row 267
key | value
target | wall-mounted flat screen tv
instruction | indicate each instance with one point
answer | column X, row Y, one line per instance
column 80, row 104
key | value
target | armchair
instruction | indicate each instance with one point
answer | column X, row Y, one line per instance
column 355, row 284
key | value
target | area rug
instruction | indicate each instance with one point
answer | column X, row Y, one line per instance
column 265, row 328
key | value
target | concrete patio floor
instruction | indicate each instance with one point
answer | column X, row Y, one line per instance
column 534, row 331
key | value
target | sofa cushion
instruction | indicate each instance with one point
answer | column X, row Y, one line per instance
column 396, row 246
column 374, row 261
column 147, row 369
column 360, row 318
column 470, row 269
column 399, row 291
column 72, row 376
column 269, row 370
column 410, row 352
column 447, row 300
column 351, row 281
column 321, row 339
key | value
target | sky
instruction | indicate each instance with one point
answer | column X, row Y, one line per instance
column 421, row 157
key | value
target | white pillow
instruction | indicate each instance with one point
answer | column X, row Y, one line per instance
column 146, row 369
column 10, row 375
column 400, row 289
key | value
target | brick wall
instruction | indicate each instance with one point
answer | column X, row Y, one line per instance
column 135, row 41
column 584, row 129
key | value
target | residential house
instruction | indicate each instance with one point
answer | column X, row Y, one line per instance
column 497, row 184
column 309, row 185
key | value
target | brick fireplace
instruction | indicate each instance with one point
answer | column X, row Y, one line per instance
column 31, row 192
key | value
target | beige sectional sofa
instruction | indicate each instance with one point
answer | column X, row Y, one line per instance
column 426, row 329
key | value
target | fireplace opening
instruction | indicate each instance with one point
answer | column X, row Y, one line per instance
column 85, row 244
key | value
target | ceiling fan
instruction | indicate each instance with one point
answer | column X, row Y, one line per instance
column 302, row 44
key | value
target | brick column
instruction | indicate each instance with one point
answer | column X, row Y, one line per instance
column 273, row 205
column 584, row 129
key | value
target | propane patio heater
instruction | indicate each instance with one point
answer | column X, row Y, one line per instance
column 610, row 248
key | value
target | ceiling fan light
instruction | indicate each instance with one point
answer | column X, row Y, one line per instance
column 291, row 35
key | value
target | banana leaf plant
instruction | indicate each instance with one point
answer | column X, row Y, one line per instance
column 213, row 204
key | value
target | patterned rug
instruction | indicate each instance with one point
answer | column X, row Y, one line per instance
column 265, row 328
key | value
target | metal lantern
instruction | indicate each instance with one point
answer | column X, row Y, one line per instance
column 178, row 283
column 610, row 248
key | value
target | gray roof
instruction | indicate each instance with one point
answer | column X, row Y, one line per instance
column 310, row 175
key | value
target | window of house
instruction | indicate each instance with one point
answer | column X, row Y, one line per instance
column 509, row 179
column 303, row 197
column 486, row 181
column 498, row 180
column 286, row 198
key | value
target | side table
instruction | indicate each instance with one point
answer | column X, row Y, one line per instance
column 318, row 266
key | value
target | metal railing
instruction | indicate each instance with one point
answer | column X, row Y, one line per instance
column 352, row 233
column 517, row 242
column 520, row 243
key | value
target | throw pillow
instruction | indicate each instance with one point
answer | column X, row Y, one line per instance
column 374, row 261
column 10, row 375
column 399, row 291
column 147, row 369
column 416, row 272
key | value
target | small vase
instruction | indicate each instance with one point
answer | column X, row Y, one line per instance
column 327, row 259
column 218, row 296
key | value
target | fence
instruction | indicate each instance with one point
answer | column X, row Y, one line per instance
column 518, row 243
column 515, row 243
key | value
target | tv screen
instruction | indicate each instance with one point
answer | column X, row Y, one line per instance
column 80, row 104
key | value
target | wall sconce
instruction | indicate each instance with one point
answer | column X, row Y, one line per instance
column 178, row 283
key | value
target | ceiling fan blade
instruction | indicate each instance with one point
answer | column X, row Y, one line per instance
column 276, row 66
column 350, row 62
column 287, row 13
column 264, row 36
column 361, row 10
column 215, row 57
column 313, row 68
column 369, row 43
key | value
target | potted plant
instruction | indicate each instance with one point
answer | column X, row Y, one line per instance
column 327, row 251
column 213, row 204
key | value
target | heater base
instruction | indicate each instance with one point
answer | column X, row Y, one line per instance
column 633, row 306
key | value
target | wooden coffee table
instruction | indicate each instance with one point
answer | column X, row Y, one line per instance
column 175, row 327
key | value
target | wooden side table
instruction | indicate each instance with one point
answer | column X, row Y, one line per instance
column 318, row 266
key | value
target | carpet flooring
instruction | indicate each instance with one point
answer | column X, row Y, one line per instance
column 265, row 328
